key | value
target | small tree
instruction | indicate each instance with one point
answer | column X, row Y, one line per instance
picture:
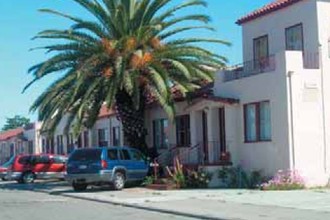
column 15, row 122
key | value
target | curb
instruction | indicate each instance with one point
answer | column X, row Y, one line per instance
column 135, row 206
column 165, row 211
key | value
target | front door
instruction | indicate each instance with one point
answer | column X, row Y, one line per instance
column 205, row 138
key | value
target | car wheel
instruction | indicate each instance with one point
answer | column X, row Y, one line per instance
column 28, row 177
column 119, row 181
column 78, row 187
column 3, row 179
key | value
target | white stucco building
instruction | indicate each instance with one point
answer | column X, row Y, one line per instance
column 273, row 111
column 270, row 113
column 283, row 86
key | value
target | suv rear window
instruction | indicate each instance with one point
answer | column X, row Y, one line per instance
column 137, row 155
column 59, row 160
column 124, row 155
column 24, row 160
column 86, row 155
column 113, row 154
column 41, row 159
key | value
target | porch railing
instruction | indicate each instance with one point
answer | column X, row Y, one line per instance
column 250, row 68
column 199, row 154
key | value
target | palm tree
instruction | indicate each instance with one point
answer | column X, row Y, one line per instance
column 130, row 52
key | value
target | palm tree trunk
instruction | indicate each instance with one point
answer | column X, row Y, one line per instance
column 132, row 120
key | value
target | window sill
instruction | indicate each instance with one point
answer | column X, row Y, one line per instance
column 255, row 142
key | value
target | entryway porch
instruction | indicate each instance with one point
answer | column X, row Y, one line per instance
column 207, row 126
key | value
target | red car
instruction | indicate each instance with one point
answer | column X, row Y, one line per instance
column 4, row 169
column 27, row 168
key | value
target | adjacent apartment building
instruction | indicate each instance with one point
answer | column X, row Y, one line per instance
column 270, row 113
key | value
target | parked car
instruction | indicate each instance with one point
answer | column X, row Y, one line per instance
column 27, row 168
column 99, row 166
column 4, row 169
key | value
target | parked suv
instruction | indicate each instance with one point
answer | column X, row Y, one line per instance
column 27, row 168
column 98, row 166
column 4, row 169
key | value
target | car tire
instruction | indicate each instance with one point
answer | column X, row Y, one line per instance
column 3, row 179
column 119, row 181
column 79, row 187
column 28, row 177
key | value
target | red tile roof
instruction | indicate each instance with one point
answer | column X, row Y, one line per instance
column 105, row 112
column 267, row 9
column 11, row 133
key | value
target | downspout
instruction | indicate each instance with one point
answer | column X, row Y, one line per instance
column 323, row 109
column 290, row 73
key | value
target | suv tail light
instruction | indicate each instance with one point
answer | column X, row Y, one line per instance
column 104, row 164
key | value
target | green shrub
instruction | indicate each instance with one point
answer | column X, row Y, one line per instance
column 148, row 181
column 237, row 178
column 198, row 179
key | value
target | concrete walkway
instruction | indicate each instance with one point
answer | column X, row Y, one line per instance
column 219, row 204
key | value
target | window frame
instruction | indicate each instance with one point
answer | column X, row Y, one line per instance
column 254, row 47
column 186, row 129
column 86, row 139
column 101, row 142
column 116, row 130
column 122, row 155
column 302, row 36
column 163, row 136
column 257, row 122
column 116, row 153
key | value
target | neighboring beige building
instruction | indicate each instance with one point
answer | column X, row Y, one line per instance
column 106, row 132
column 20, row 141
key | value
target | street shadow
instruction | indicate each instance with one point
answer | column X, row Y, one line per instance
column 56, row 187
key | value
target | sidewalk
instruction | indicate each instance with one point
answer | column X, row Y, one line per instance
column 219, row 204
column 203, row 204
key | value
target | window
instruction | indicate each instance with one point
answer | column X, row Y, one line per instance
column 86, row 155
column 183, row 130
column 102, row 138
column 59, row 140
column 59, row 160
column 294, row 37
column 113, row 154
column 30, row 147
column 116, row 136
column 257, row 118
column 124, row 155
column 160, row 130
column 136, row 155
column 42, row 159
column 24, row 160
column 260, row 48
column 86, row 139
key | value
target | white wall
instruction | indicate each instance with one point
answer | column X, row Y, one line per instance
column 274, row 25
column 266, row 156
column 323, row 9
column 307, row 119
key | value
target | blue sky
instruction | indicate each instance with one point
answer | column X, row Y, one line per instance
column 20, row 21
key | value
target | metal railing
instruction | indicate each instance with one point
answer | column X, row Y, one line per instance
column 251, row 68
column 192, row 155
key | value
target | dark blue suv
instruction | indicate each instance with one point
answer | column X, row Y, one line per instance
column 99, row 166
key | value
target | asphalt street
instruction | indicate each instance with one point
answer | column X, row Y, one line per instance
column 17, row 203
